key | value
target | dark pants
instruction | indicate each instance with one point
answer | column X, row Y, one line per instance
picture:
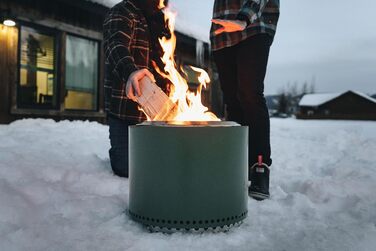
column 242, row 71
column 119, row 145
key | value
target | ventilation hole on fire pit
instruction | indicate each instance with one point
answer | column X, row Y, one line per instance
column 169, row 222
column 181, row 222
column 200, row 222
column 175, row 222
column 218, row 220
column 152, row 220
column 157, row 220
column 194, row 222
column 206, row 222
column 223, row 219
column 163, row 221
column 228, row 218
column 147, row 219
column 188, row 222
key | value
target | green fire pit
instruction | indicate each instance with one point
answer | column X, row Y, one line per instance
column 188, row 176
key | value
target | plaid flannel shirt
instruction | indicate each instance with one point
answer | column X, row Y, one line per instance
column 127, row 48
column 261, row 17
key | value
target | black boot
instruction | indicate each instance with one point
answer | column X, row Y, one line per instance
column 259, row 176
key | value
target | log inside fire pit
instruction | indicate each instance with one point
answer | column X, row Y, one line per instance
column 188, row 176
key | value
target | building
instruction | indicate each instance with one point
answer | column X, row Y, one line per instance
column 52, row 61
column 347, row 105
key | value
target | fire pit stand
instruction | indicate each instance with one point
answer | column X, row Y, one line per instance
column 188, row 176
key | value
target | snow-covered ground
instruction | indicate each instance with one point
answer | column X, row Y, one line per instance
column 57, row 192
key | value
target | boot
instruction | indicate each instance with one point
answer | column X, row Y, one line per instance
column 259, row 176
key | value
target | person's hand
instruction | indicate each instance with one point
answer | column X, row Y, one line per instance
column 229, row 25
column 133, row 83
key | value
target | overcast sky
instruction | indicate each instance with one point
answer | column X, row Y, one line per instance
column 332, row 42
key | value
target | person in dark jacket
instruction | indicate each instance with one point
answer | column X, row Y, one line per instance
column 130, row 32
column 241, row 36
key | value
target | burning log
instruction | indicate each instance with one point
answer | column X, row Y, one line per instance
column 155, row 103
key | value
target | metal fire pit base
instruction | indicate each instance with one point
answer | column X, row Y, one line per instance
column 188, row 176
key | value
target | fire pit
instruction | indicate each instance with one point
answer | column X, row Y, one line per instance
column 188, row 176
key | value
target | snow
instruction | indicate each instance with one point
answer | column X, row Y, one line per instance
column 318, row 99
column 193, row 17
column 57, row 192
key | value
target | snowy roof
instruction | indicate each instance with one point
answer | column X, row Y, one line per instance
column 322, row 98
column 193, row 18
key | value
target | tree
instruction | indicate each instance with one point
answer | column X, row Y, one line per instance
column 290, row 95
column 282, row 104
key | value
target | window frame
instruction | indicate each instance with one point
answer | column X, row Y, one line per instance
column 57, row 45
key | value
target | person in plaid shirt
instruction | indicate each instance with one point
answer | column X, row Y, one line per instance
column 241, row 35
column 130, row 34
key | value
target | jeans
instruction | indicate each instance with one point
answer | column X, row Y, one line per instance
column 242, row 70
column 119, row 145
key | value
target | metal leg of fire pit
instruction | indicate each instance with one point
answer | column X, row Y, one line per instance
column 189, row 177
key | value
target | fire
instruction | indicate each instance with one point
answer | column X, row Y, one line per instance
column 161, row 4
column 190, row 107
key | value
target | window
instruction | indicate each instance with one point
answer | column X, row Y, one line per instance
column 37, row 85
column 81, row 73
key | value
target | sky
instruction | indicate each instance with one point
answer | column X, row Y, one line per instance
column 329, row 43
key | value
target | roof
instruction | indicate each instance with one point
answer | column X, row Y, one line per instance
column 193, row 16
column 322, row 98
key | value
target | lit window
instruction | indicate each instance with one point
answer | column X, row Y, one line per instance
column 81, row 73
column 37, row 85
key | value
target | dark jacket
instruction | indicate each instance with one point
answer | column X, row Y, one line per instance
column 126, row 40
column 261, row 17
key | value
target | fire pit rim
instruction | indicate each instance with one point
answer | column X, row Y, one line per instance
column 189, row 124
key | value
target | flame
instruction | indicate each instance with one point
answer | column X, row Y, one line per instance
column 190, row 107
column 161, row 4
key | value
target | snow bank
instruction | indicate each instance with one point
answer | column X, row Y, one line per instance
column 57, row 192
